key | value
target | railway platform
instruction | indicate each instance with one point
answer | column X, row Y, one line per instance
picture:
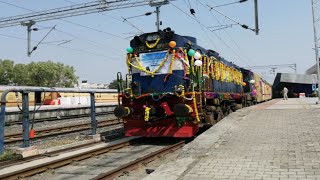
column 278, row 139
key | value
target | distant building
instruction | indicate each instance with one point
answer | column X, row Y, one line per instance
column 296, row 83
column 312, row 70
column 85, row 85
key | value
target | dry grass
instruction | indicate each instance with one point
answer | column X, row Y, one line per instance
column 9, row 155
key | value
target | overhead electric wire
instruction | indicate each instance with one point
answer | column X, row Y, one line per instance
column 74, row 10
column 209, row 30
column 226, row 4
column 61, row 30
column 231, row 19
column 77, row 24
column 236, row 44
column 117, row 19
column 206, row 33
column 221, row 24
column 122, row 21
column 74, row 49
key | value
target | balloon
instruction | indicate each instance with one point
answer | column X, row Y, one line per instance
column 129, row 49
column 191, row 52
column 172, row 44
column 197, row 55
column 244, row 84
column 252, row 81
column 198, row 63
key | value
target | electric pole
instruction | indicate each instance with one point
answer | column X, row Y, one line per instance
column 316, row 50
column 29, row 24
column 158, row 5
column 256, row 16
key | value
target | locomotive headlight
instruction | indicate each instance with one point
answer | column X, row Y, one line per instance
column 178, row 89
column 152, row 37
column 182, row 110
column 121, row 111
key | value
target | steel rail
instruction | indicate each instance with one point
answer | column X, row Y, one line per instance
column 29, row 171
column 15, row 137
column 8, row 163
column 60, row 118
column 136, row 163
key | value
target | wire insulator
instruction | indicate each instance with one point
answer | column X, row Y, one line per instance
column 192, row 11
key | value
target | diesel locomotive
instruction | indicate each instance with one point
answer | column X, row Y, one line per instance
column 174, row 86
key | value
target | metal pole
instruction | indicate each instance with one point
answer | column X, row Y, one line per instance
column 316, row 48
column 2, row 124
column 158, row 17
column 256, row 16
column 93, row 114
column 25, row 118
column 29, row 40
column 29, row 24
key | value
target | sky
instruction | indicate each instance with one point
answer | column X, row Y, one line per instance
column 95, row 44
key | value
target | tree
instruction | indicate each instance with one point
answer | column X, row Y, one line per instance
column 51, row 74
column 113, row 84
column 21, row 75
column 6, row 72
column 47, row 74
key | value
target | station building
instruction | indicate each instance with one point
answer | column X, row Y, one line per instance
column 296, row 83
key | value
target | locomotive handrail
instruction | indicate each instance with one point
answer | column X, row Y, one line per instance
column 25, row 108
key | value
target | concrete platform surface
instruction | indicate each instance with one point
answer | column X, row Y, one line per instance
column 279, row 139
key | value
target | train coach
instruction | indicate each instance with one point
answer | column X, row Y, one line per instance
column 55, row 98
column 174, row 86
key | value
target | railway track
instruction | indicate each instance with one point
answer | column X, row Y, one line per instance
column 32, row 170
column 113, row 173
column 123, row 169
column 59, row 118
column 16, row 137
column 8, row 163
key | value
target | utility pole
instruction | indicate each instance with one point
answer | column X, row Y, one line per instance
column 256, row 16
column 158, row 5
column 316, row 46
column 158, row 18
column 29, row 24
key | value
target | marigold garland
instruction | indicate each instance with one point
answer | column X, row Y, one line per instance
column 187, row 60
column 204, row 67
column 212, row 68
column 129, row 56
column 172, row 61
column 192, row 65
column 146, row 114
column 195, row 106
column 153, row 45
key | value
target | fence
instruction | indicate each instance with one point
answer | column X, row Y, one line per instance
column 25, row 109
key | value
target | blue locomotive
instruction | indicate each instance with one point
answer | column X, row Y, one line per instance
column 174, row 86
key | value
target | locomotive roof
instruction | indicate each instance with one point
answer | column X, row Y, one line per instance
column 182, row 41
